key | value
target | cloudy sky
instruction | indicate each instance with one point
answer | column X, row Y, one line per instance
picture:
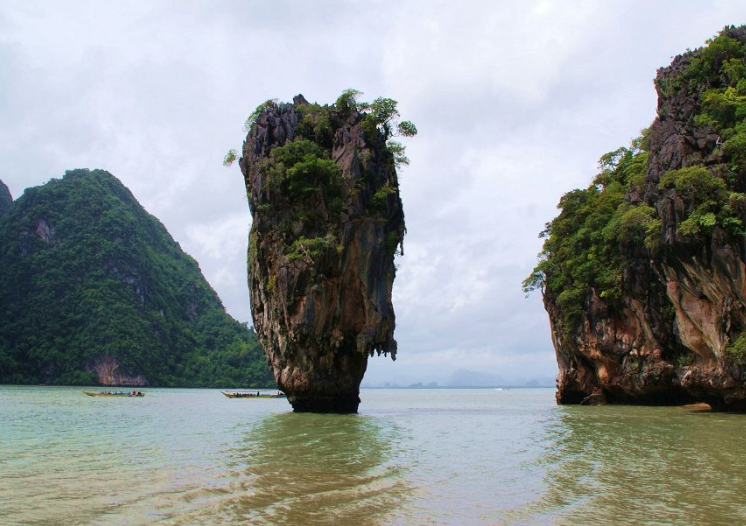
column 514, row 101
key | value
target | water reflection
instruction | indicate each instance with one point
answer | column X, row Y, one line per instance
column 316, row 469
column 641, row 465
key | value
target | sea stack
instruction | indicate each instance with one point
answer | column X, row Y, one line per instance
column 643, row 272
column 327, row 220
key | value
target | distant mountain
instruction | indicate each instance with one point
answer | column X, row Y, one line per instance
column 465, row 378
column 93, row 289
column 540, row 382
column 6, row 200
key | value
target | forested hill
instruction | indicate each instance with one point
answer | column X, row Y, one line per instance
column 93, row 289
column 6, row 200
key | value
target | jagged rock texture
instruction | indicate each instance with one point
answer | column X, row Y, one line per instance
column 321, row 312
column 688, row 299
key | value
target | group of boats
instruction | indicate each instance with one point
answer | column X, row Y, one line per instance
column 237, row 394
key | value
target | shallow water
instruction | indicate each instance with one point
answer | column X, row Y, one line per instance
column 411, row 457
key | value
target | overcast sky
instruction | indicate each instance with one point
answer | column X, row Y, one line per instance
column 514, row 101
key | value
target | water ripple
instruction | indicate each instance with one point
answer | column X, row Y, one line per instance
column 470, row 457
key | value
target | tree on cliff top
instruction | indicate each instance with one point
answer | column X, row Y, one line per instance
column 381, row 115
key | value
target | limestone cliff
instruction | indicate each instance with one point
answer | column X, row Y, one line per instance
column 6, row 200
column 327, row 221
column 651, row 306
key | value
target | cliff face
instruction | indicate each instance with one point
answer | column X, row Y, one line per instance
column 327, row 220
column 671, row 330
column 6, row 200
column 94, row 290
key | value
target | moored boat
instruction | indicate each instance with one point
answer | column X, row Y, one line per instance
column 119, row 394
column 253, row 395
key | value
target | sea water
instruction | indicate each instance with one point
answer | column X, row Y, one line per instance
column 411, row 457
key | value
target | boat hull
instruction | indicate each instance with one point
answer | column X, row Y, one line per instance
column 249, row 395
column 106, row 395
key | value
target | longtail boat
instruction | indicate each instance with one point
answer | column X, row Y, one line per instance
column 253, row 395
column 117, row 395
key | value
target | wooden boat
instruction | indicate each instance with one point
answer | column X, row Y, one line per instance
column 116, row 395
column 253, row 395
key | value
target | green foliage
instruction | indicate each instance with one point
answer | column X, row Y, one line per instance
column 311, row 247
column 716, row 74
column 271, row 283
column 724, row 107
column 624, row 166
column 736, row 350
column 715, row 61
column 582, row 247
column 230, row 157
column 304, row 195
column 407, row 129
column 381, row 196
column 694, row 183
column 381, row 117
column 251, row 119
column 107, row 279
column 684, row 360
column 708, row 201
column 297, row 151
column 634, row 224
column 303, row 176
column 302, row 166
column 718, row 64
column 348, row 100
column 317, row 123
column 6, row 200
column 393, row 240
column 383, row 111
column 397, row 149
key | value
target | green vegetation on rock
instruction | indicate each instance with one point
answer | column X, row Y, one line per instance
column 327, row 220
column 302, row 166
column 89, row 276
column 736, row 350
column 708, row 200
column 6, row 200
column 610, row 225
column 302, row 184
column 582, row 247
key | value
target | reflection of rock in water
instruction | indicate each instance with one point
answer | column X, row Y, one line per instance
column 633, row 465
column 306, row 469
